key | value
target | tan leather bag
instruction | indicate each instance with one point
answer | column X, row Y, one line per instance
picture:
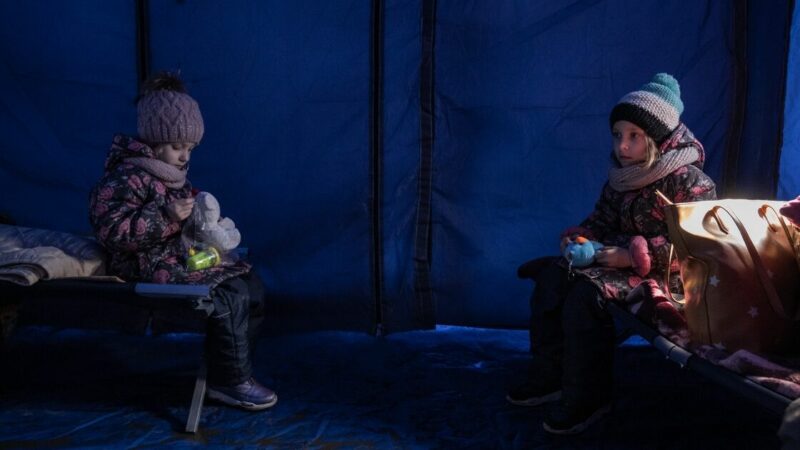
column 741, row 283
column 794, row 237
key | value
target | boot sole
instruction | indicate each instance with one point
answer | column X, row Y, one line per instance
column 536, row 401
column 596, row 416
column 222, row 398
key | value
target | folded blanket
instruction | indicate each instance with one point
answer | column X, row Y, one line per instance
column 782, row 377
column 28, row 255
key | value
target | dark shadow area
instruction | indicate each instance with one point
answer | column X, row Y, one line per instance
column 427, row 389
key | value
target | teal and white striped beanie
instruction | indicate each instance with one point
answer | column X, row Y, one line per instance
column 655, row 108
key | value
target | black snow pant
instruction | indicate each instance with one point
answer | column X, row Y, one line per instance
column 233, row 327
column 572, row 336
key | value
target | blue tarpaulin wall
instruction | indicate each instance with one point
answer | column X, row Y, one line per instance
column 789, row 180
column 393, row 161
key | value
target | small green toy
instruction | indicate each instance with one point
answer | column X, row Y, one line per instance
column 199, row 260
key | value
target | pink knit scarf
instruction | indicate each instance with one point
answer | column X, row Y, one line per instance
column 170, row 175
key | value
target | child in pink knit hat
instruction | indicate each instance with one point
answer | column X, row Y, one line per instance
column 138, row 210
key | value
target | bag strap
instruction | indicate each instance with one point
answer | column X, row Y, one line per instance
column 667, row 287
column 762, row 212
column 668, row 271
column 766, row 282
column 791, row 235
column 664, row 198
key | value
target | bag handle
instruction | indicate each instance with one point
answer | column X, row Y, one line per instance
column 791, row 235
column 667, row 273
column 769, row 287
column 762, row 212
column 664, row 198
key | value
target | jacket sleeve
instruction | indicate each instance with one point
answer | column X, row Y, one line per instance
column 651, row 253
column 127, row 217
column 603, row 220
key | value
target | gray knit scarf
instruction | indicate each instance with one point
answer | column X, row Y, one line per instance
column 170, row 175
column 630, row 178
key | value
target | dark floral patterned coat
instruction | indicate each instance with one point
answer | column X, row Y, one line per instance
column 127, row 213
column 635, row 220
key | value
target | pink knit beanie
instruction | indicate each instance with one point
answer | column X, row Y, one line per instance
column 166, row 113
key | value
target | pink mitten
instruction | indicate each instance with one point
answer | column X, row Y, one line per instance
column 640, row 255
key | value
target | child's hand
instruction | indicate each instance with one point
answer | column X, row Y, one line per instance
column 614, row 257
column 180, row 209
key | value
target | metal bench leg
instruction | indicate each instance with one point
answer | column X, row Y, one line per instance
column 197, row 400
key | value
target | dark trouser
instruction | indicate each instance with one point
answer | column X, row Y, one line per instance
column 233, row 327
column 572, row 336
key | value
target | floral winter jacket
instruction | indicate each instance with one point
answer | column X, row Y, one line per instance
column 635, row 220
column 127, row 212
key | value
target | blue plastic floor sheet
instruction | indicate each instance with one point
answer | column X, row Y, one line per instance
column 337, row 390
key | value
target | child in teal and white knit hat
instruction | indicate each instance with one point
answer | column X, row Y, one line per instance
column 652, row 115
column 656, row 107
column 572, row 339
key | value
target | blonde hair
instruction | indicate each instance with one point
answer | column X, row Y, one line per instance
column 652, row 154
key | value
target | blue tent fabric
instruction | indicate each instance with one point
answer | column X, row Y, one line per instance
column 286, row 147
column 756, row 171
column 65, row 84
column 520, row 93
column 789, row 169
column 401, row 162
column 522, row 139
column 492, row 126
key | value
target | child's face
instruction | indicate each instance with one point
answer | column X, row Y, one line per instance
column 174, row 153
column 630, row 143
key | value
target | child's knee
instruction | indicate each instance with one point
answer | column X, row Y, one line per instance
column 255, row 290
column 551, row 275
column 584, row 307
column 229, row 296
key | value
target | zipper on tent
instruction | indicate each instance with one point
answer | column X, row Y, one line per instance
column 376, row 162
column 424, row 314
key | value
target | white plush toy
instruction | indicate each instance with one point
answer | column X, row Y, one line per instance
column 206, row 226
